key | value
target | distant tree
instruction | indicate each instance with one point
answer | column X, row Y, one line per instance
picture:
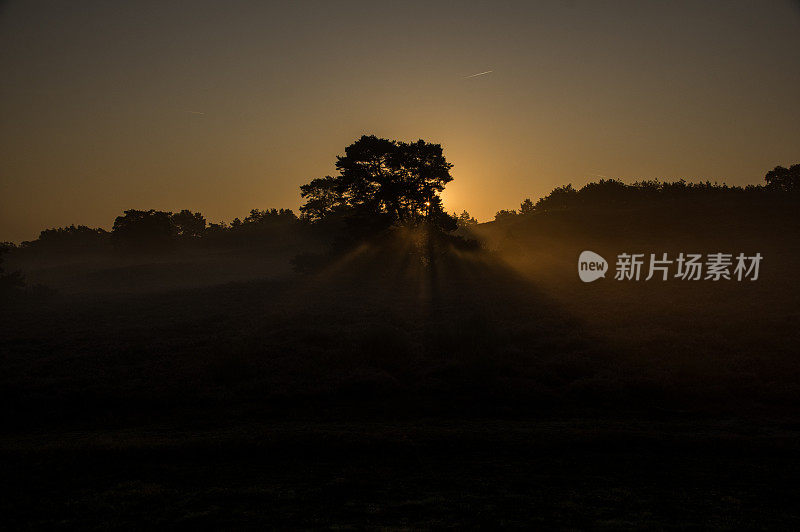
column 260, row 228
column 559, row 198
column 218, row 227
column 608, row 192
column 612, row 193
column 785, row 179
column 526, row 207
column 269, row 216
column 142, row 229
column 215, row 233
column 188, row 224
column 388, row 179
column 72, row 239
column 504, row 215
column 465, row 220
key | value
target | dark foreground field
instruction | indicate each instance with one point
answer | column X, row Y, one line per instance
column 572, row 473
column 402, row 386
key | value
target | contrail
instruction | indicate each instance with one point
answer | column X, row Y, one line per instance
column 478, row 74
column 194, row 112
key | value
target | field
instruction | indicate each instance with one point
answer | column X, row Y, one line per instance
column 410, row 384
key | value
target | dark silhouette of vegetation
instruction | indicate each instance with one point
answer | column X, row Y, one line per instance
column 142, row 229
column 388, row 180
column 784, row 179
column 611, row 193
column 261, row 229
column 465, row 220
column 188, row 224
column 158, row 231
column 504, row 214
column 381, row 184
column 72, row 239
column 526, row 206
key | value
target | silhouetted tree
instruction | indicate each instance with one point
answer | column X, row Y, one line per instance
column 785, row 179
column 611, row 193
column 142, row 229
column 559, row 198
column 526, row 207
column 387, row 179
column 324, row 197
column 465, row 220
column 608, row 192
column 72, row 239
column 188, row 224
column 259, row 230
column 222, row 226
column 269, row 216
column 504, row 215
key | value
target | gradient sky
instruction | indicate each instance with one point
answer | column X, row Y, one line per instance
column 225, row 106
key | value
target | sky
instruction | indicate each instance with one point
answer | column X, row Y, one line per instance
column 226, row 106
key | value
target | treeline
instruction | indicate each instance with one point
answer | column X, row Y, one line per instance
column 781, row 183
column 153, row 231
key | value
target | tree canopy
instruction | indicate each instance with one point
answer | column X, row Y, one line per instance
column 137, row 228
column 784, row 179
column 396, row 180
column 188, row 224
